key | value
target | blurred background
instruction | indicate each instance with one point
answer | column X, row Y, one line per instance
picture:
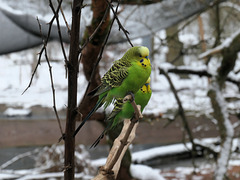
column 191, row 119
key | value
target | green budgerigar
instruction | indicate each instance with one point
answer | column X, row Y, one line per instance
column 123, row 111
column 127, row 75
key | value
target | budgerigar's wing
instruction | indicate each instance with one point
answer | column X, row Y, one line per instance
column 112, row 79
column 118, row 67
column 119, row 64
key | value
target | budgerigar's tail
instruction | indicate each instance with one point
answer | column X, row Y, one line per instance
column 101, row 136
column 98, row 140
column 98, row 105
column 92, row 93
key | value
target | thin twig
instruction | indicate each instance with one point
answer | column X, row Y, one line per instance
column 59, row 30
column 53, row 92
column 50, row 71
column 96, row 30
column 63, row 15
column 181, row 113
column 50, row 68
column 58, row 25
column 119, row 23
column 35, row 69
column 51, row 78
column 18, row 157
column 41, row 51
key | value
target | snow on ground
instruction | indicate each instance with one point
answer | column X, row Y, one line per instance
column 139, row 171
column 151, row 153
column 145, row 172
column 17, row 112
column 159, row 151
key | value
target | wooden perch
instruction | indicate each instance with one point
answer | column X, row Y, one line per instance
column 120, row 145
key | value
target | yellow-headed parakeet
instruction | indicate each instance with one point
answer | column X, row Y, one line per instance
column 127, row 75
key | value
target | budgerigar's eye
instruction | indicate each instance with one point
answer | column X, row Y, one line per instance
column 141, row 60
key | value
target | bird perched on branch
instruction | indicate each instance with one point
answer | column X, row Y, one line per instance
column 127, row 75
column 123, row 110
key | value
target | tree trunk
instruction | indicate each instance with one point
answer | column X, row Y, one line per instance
column 226, row 130
column 72, row 65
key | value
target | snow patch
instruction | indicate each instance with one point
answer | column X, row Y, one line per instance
column 159, row 151
column 17, row 112
column 143, row 172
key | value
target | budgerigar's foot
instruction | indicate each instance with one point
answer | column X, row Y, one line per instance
column 134, row 120
column 133, row 97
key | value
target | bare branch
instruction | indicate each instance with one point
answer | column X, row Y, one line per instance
column 39, row 60
column 52, row 83
column 59, row 29
column 53, row 91
column 50, row 73
column 45, row 41
column 96, row 30
column 225, row 45
column 64, row 18
column 119, row 23
column 198, row 73
column 181, row 113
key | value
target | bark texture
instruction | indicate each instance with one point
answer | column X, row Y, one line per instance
column 91, row 52
column 72, row 66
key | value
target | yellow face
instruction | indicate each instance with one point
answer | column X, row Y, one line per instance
column 146, row 87
column 144, row 61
